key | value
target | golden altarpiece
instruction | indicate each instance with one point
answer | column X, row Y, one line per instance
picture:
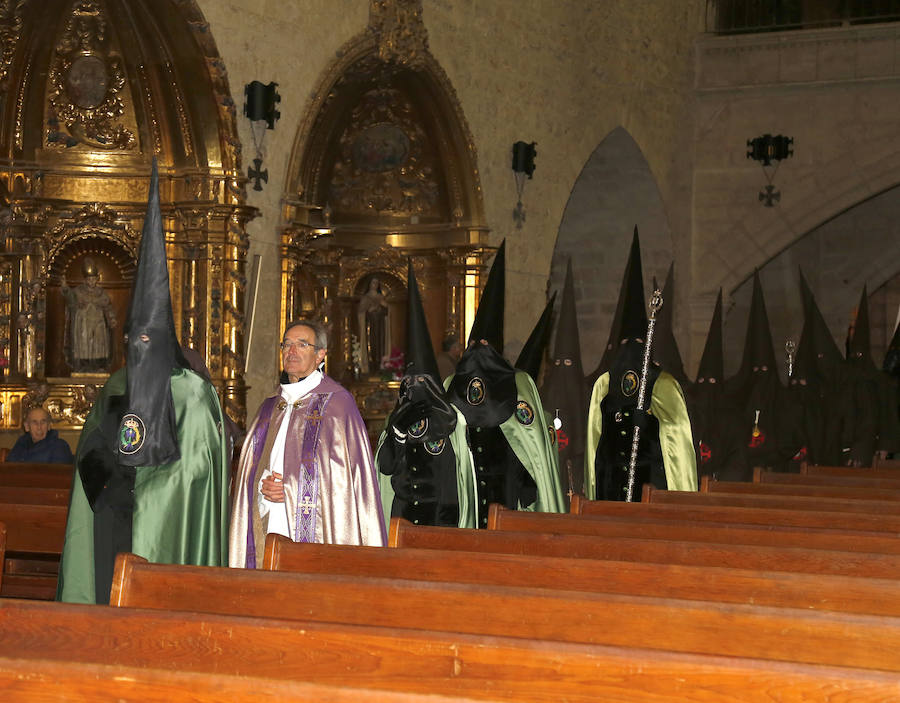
column 383, row 171
column 90, row 92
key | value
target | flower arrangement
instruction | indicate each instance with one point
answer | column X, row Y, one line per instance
column 392, row 365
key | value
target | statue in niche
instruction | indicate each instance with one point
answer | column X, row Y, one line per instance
column 374, row 327
column 90, row 320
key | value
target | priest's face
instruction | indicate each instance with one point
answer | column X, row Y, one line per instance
column 299, row 356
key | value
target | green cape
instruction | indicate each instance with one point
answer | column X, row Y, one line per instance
column 535, row 446
column 668, row 406
column 181, row 509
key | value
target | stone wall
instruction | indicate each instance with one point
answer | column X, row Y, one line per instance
column 835, row 92
column 563, row 73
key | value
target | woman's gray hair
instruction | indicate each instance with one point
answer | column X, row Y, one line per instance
column 317, row 327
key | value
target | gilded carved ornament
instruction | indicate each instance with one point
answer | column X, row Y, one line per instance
column 385, row 164
column 10, row 30
column 399, row 30
column 86, row 80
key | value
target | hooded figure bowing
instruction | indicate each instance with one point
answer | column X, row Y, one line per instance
column 424, row 464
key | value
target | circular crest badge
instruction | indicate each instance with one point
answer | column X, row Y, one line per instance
column 435, row 447
column 131, row 434
column 552, row 432
column 630, row 383
column 524, row 413
column 417, row 429
column 475, row 392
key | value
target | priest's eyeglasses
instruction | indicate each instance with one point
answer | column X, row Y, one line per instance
column 300, row 344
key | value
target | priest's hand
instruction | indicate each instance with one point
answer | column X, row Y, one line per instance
column 272, row 488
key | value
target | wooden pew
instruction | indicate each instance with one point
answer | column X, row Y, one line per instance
column 26, row 680
column 34, row 503
column 32, row 495
column 725, row 585
column 705, row 510
column 2, row 551
column 36, row 475
column 780, row 502
column 778, row 634
column 801, row 479
column 856, row 493
column 500, row 518
column 849, row 472
column 419, row 662
column 738, row 556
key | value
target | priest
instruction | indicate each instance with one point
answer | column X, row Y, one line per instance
column 306, row 468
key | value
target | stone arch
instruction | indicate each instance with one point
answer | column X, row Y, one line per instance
column 858, row 246
column 357, row 69
column 614, row 192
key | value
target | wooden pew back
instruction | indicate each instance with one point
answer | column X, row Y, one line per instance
column 34, row 503
column 739, row 556
column 849, row 472
column 726, row 585
column 419, row 662
column 862, row 493
column 705, row 510
column 801, row 479
column 500, row 518
column 778, row 502
column 780, row 634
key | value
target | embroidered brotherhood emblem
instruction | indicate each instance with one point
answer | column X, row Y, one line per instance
column 524, row 413
column 630, row 383
column 435, row 447
column 475, row 392
column 801, row 454
column 131, row 434
column 705, row 453
column 563, row 439
column 417, row 429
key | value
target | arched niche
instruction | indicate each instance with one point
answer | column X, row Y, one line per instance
column 101, row 88
column 115, row 267
column 614, row 192
column 383, row 170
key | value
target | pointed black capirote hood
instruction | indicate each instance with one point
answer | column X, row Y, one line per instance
column 860, row 349
column 665, row 346
column 820, row 337
column 147, row 433
column 532, row 354
column 568, row 344
column 488, row 323
column 420, row 357
column 759, row 350
column 712, row 363
column 634, row 307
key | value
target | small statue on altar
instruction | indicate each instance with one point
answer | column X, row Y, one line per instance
column 90, row 320
column 374, row 327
